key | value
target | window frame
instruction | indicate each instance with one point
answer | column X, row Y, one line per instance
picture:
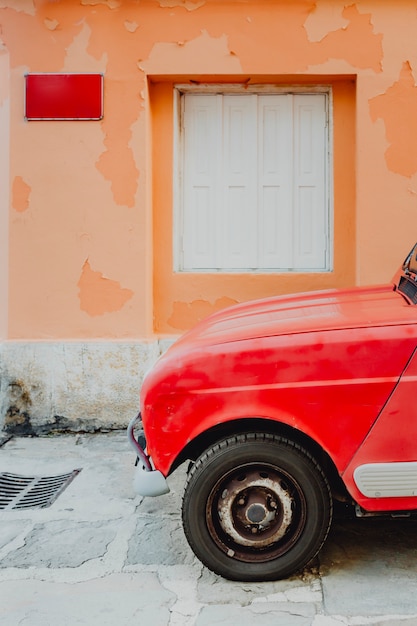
column 181, row 90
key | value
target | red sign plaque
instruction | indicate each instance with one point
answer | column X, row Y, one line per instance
column 64, row 97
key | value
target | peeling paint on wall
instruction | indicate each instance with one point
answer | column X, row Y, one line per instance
column 187, row 314
column 324, row 18
column 98, row 294
column 118, row 166
column 24, row 6
column 111, row 4
column 51, row 24
column 25, row 32
column 397, row 107
column 48, row 54
column 117, row 162
column 190, row 5
column 356, row 42
column 4, row 75
column 20, row 194
column 200, row 55
column 131, row 27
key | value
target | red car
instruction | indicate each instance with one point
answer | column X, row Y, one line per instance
column 285, row 406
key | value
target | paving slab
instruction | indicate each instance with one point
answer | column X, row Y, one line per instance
column 266, row 615
column 369, row 567
column 115, row 599
column 54, row 544
column 101, row 555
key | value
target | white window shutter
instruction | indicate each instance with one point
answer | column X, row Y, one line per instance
column 202, row 150
column 239, row 183
column 274, row 181
column 254, row 186
column 309, row 205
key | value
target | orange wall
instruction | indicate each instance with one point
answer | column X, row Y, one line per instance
column 4, row 189
column 91, row 202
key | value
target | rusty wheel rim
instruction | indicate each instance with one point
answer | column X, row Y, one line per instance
column 256, row 512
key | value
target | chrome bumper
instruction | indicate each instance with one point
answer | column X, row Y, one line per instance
column 147, row 481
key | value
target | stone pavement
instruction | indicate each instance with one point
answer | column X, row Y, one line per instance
column 101, row 556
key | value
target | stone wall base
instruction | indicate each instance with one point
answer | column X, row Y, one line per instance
column 82, row 386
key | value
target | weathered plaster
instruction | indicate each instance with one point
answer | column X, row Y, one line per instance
column 4, row 193
column 99, row 294
column 204, row 54
column 284, row 27
column 49, row 54
column 131, row 27
column 397, row 108
column 20, row 194
column 4, row 76
column 325, row 17
column 190, row 5
column 187, row 314
column 24, row 6
column 111, row 4
column 77, row 53
column 117, row 163
column 51, row 24
column 31, row 43
column 356, row 42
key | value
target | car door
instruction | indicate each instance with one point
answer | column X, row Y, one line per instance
column 383, row 473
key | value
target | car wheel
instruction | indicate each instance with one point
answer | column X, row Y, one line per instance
column 256, row 507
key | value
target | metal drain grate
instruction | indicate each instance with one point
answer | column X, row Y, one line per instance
column 36, row 492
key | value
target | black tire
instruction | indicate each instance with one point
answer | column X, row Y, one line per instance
column 256, row 507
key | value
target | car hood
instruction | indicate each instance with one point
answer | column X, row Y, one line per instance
column 307, row 312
